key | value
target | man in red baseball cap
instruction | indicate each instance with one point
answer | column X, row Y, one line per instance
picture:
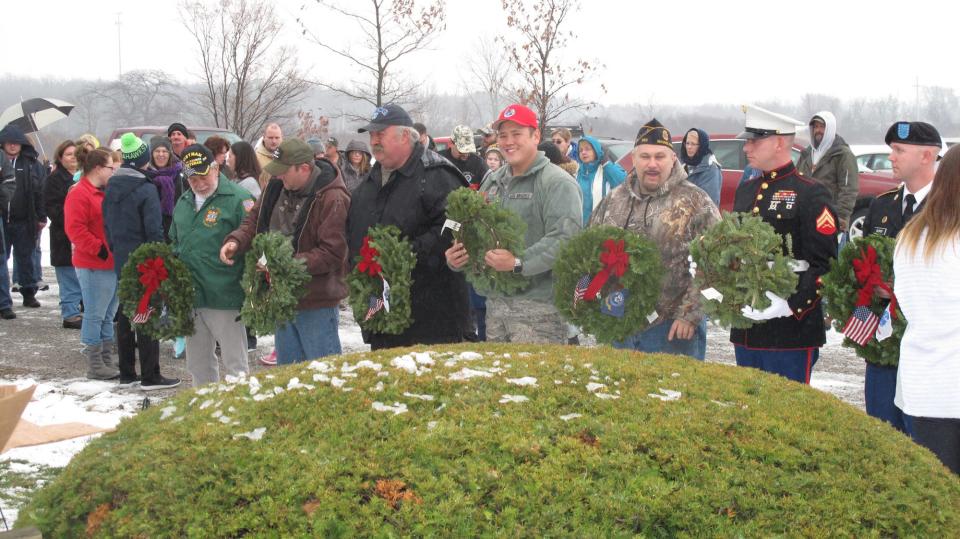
column 549, row 201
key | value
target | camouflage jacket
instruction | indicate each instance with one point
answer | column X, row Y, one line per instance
column 673, row 216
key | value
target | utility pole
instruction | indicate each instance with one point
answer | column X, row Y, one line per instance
column 916, row 87
column 119, row 55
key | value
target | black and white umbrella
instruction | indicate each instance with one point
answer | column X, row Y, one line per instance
column 35, row 114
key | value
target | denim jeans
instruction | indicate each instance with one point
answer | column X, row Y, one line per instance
column 36, row 275
column 70, row 295
column 654, row 340
column 22, row 242
column 311, row 334
column 6, row 302
column 99, row 290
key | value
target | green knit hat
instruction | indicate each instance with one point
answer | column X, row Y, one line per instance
column 135, row 151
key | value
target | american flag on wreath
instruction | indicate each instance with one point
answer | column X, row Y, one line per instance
column 581, row 287
column 861, row 326
column 376, row 303
column 141, row 318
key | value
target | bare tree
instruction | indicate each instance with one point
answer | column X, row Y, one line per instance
column 488, row 70
column 389, row 31
column 248, row 81
column 545, row 82
column 137, row 98
column 312, row 127
column 811, row 104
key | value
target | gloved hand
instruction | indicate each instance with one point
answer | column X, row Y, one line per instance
column 778, row 308
column 692, row 267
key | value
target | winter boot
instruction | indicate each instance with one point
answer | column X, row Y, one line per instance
column 96, row 370
column 108, row 359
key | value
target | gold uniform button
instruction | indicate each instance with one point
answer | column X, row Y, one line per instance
column 779, row 216
column 809, row 301
column 773, row 175
column 756, row 209
column 759, row 197
column 799, row 310
column 764, row 185
column 884, row 220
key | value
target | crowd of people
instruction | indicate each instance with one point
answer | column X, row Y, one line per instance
column 210, row 200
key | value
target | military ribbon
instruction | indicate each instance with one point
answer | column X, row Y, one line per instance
column 152, row 273
column 870, row 277
column 615, row 262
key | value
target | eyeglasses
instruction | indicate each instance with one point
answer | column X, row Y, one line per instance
column 558, row 141
column 112, row 168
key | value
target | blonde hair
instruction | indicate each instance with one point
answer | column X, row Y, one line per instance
column 940, row 216
column 564, row 133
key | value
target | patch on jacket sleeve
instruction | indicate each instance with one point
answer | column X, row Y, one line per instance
column 826, row 224
column 248, row 205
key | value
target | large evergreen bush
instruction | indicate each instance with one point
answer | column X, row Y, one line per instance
column 498, row 440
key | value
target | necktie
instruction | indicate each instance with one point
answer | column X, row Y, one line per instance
column 908, row 211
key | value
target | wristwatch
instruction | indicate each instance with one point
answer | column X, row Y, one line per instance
column 517, row 265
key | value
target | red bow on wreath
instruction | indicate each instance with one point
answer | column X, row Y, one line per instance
column 615, row 261
column 152, row 273
column 870, row 277
column 368, row 254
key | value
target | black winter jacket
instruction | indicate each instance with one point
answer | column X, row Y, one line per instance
column 26, row 203
column 131, row 214
column 55, row 189
column 415, row 201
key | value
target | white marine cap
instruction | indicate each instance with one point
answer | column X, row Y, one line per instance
column 763, row 123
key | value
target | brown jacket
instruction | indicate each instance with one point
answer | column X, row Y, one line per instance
column 319, row 237
column 672, row 217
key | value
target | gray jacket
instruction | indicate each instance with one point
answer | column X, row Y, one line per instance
column 549, row 201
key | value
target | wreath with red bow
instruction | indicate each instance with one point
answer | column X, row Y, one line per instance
column 863, row 269
column 380, row 282
column 156, row 292
column 607, row 281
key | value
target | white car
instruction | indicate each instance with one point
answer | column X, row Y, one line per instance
column 872, row 157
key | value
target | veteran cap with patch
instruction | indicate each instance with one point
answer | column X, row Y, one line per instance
column 463, row 139
column 197, row 160
column 291, row 151
column 917, row 133
column 760, row 123
column 386, row 116
column 653, row 132
column 518, row 114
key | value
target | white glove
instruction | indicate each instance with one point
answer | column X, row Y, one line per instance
column 692, row 267
column 778, row 308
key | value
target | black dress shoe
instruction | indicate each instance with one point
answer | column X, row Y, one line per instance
column 7, row 314
column 30, row 301
column 73, row 323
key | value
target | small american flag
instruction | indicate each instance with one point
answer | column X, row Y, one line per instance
column 581, row 287
column 376, row 304
column 862, row 326
column 141, row 318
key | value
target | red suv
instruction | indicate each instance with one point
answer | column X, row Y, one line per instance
column 728, row 150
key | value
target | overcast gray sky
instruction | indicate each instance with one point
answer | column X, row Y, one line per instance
column 666, row 52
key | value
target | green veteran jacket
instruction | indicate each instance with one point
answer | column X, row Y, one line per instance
column 549, row 201
column 197, row 237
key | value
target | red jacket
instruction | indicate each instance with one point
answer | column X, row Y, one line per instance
column 83, row 221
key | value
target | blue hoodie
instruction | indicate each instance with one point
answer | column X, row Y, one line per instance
column 613, row 175
column 703, row 170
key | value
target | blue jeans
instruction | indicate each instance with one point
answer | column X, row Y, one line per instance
column 99, row 290
column 70, row 295
column 6, row 302
column 796, row 365
column 654, row 340
column 311, row 334
column 22, row 242
column 879, row 388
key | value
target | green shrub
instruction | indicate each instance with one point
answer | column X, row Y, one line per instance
column 739, row 453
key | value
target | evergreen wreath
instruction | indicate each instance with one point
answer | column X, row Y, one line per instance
column 843, row 291
column 156, row 292
column 385, row 264
column 741, row 257
column 484, row 226
column 607, row 281
column 271, row 297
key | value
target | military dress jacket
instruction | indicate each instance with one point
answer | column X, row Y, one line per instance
column 885, row 216
column 800, row 209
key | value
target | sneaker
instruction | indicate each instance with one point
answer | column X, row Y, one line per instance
column 128, row 382
column 179, row 347
column 15, row 288
column 73, row 322
column 7, row 314
column 159, row 383
column 270, row 360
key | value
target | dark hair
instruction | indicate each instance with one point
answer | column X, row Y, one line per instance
column 217, row 144
column 61, row 149
column 551, row 151
column 245, row 161
column 96, row 158
column 420, row 128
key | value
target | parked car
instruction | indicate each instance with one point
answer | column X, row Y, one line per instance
column 147, row 132
column 729, row 153
column 872, row 157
